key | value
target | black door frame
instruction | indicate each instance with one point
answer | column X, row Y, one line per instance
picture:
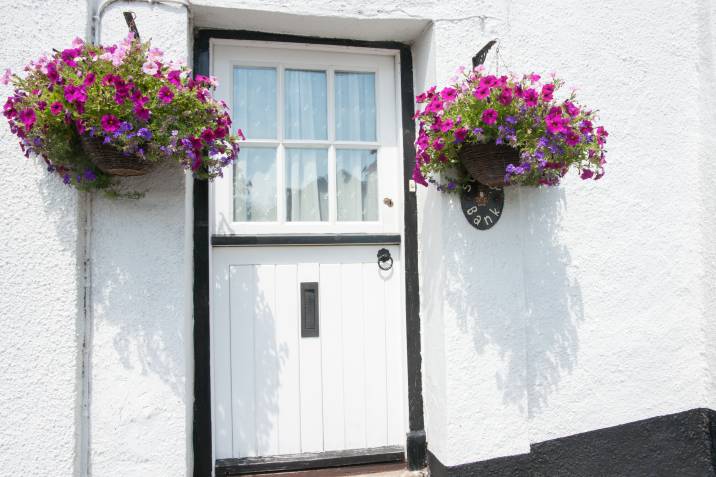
column 416, row 446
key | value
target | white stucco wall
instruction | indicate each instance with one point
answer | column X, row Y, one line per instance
column 39, row 272
column 140, row 423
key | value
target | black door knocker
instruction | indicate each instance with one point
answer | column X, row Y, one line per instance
column 385, row 261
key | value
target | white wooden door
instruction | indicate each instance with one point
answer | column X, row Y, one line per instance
column 322, row 160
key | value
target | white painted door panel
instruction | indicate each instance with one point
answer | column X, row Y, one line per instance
column 286, row 394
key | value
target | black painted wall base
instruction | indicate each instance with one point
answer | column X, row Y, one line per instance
column 677, row 445
column 416, row 449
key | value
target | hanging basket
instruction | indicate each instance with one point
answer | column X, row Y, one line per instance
column 486, row 163
column 111, row 161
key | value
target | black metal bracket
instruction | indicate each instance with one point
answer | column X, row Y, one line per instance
column 481, row 55
column 129, row 19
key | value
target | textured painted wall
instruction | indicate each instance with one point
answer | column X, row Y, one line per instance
column 39, row 272
column 140, row 292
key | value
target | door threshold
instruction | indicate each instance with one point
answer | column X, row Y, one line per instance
column 297, row 463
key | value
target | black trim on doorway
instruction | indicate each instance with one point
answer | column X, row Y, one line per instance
column 299, row 462
column 416, row 448
column 327, row 239
column 677, row 444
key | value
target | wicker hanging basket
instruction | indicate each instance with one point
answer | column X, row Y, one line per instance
column 113, row 162
column 486, row 163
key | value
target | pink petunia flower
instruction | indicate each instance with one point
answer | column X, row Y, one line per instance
column 448, row 94
column 5, row 78
column 530, row 96
column 505, row 97
column 110, row 123
column 571, row 138
column 28, row 118
column 585, row 127
column 571, row 108
column 482, row 92
column 150, row 68
column 142, row 113
column 418, row 175
column 174, row 77
column 56, row 108
column 489, row 116
column 165, row 95
column 78, row 43
column 547, row 92
column 534, row 78
column 207, row 135
column 460, row 135
column 89, row 79
column 586, row 174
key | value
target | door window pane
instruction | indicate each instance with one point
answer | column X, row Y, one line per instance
column 306, row 105
column 357, row 184
column 254, row 105
column 306, row 185
column 255, row 185
column 355, row 106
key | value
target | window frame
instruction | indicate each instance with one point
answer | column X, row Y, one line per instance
column 383, row 64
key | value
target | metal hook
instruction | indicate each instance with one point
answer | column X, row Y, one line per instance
column 129, row 19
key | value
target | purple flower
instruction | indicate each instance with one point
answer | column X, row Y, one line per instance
column 511, row 120
column 89, row 175
column 165, row 94
column 110, row 123
column 144, row 133
column 586, row 174
column 52, row 73
column 66, row 178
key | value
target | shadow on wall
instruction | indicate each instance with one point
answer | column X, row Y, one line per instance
column 510, row 289
column 138, row 280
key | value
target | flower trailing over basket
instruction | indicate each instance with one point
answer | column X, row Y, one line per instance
column 504, row 130
column 93, row 112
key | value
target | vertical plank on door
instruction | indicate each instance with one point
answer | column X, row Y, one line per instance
column 375, row 349
column 221, row 346
column 395, row 355
column 352, row 297
column 266, row 361
column 311, row 382
column 331, row 331
column 287, row 338
column 243, row 296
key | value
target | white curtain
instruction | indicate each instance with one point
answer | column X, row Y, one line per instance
column 254, row 107
column 357, row 184
column 255, row 185
column 355, row 106
column 306, row 185
column 306, row 110
column 306, row 105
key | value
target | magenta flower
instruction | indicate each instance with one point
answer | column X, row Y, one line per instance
column 174, row 77
column 41, row 105
column 5, row 78
column 142, row 113
column 547, row 92
column 534, row 77
column 438, row 144
column 460, row 135
column 56, row 108
column 482, row 92
column 52, row 73
column 69, row 55
column 110, row 123
column 505, row 97
column 586, row 174
column 202, row 94
column 89, row 79
column 418, row 175
column 489, row 116
column 435, row 105
column 530, row 96
column 449, row 94
column 585, row 127
column 571, row 108
column 165, row 94
column 446, row 125
column 571, row 138
column 28, row 118
column 488, row 81
column 207, row 135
